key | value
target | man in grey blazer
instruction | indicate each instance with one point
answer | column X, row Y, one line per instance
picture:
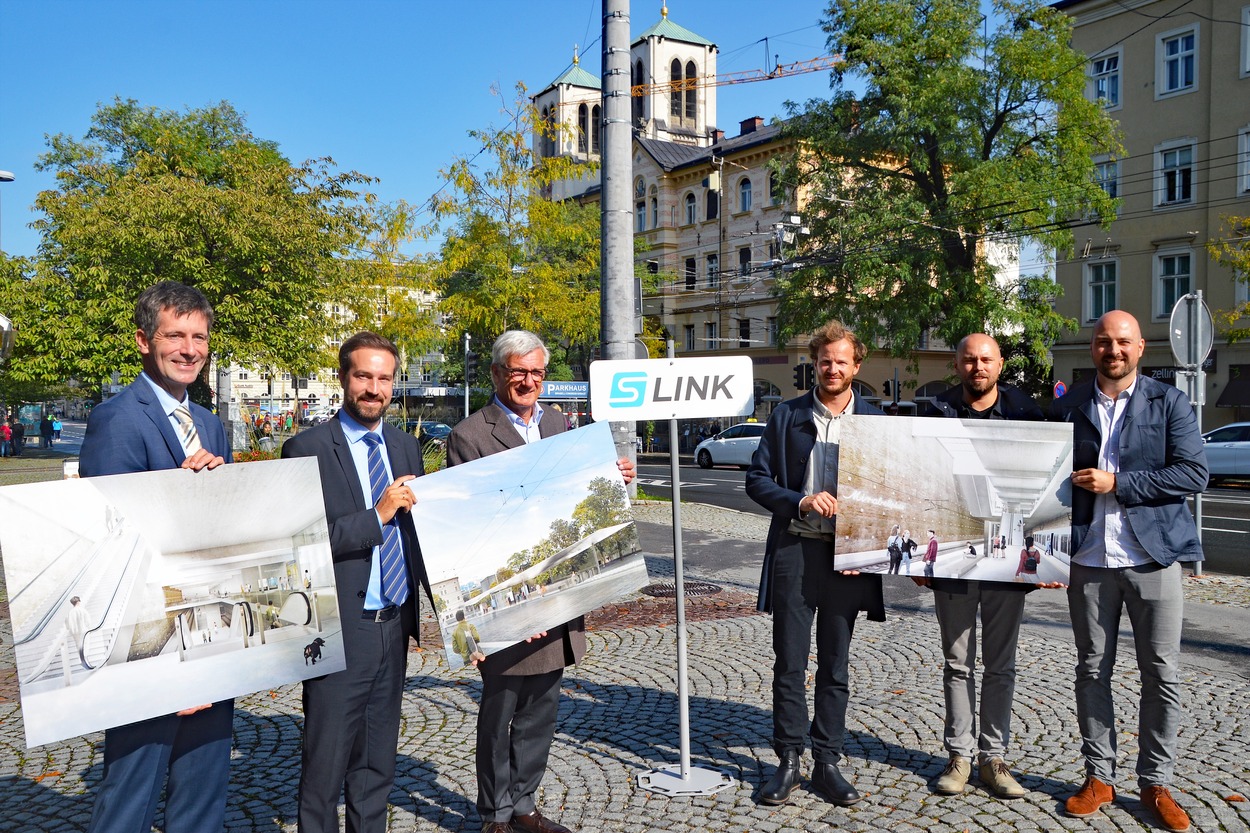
column 352, row 717
column 1137, row 455
column 150, row 426
column 516, row 719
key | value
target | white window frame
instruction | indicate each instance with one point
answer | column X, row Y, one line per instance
column 746, row 194
column 1107, row 173
column 689, row 338
column 1243, row 161
column 1161, row 173
column 692, row 209
column 1162, row 309
column 1095, row 76
column 712, row 262
column 1163, row 60
column 1091, row 313
column 772, row 330
column 710, row 335
column 1245, row 42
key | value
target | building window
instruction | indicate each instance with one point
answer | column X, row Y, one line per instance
column 1107, row 175
column 1245, row 41
column 744, row 332
column 1173, row 280
column 243, row 375
column 548, row 129
column 713, row 204
column 655, row 208
column 709, row 335
column 1243, row 161
column 1100, row 288
column 640, row 78
column 674, row 94
column 776, row 190
column 689, row 337
column 690, row 279
column 690, row 209
column 1177, row 58
column 1106, row 80
column 713, row 271
column 583, row 127
column 744, row 195
column 692, row 103
column 744, row 260
column 596, row 130
column 772, row 331
column 1174, row 181
column 640, row 216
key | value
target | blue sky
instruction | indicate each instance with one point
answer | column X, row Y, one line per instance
column 386, row 87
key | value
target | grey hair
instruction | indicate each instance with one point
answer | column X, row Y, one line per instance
column 169, row 295
column 517, row 343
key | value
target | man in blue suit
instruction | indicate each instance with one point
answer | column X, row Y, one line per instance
column 1137, row 456
column 153, row 425
column 794, row 474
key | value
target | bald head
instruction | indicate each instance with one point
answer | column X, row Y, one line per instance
column 1116, row 348
column 978, row 363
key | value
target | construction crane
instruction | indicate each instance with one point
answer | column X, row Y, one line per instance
column 745, row 77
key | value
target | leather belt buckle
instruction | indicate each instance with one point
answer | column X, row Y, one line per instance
column 383, row 615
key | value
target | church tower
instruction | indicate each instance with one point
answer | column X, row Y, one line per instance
column 676, row 63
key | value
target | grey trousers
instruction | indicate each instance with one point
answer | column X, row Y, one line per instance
column 1153, row 597
column 1002, row 608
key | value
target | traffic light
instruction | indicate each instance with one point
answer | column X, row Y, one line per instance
column 809, row 376
column 798, row 376
column 470, row 368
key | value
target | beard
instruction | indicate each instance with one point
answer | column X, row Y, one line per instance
column 366, row 412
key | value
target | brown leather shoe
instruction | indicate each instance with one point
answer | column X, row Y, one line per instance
column 536, row 822
column 496, row 827
column 1160, row 802
column 1089, row 798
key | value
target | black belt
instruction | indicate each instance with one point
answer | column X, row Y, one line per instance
column 383, row 615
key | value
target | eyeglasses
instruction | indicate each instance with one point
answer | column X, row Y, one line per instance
column 516, row 374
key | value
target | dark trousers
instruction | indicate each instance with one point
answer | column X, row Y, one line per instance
column 193, row 750
column 516, row 722
column 805, row 588
column 351, row 730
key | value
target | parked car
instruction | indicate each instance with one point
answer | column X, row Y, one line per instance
column 731, row 447
column 1228, row 451
column 436, row 431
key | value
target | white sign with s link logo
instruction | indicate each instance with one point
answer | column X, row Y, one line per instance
column 644, row 389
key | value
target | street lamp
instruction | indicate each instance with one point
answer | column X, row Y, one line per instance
column 5, row 176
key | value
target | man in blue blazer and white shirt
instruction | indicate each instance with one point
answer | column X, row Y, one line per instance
column 352, row 717
column 794, row 474
column 1137, row 456
column 153, row 425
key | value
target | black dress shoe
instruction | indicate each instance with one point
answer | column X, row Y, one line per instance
column 784, row 781
column 536, row 822
column 496, row 827
column 828, row 783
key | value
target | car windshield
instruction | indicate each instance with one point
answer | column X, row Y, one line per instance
column 436, row 429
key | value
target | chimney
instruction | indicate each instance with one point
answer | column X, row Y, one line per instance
column 717, row 135
column 750, row 125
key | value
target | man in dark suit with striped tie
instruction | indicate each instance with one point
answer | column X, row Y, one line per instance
column 153, row 425
column 351, row 718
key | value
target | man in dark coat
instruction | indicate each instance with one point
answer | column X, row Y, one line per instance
column 794, row 474
column 516, row 719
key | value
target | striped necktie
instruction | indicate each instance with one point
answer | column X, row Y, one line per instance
column 187, row 432
column 391, row 556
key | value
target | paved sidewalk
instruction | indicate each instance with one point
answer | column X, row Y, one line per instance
column 618, row 718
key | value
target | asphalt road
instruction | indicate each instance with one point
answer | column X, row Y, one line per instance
column 1225, row 511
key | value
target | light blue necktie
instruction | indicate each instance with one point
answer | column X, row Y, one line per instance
column 394, row 573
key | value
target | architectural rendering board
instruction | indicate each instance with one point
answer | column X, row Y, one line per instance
column 138, row 595
column 522, row 541
column 983, row 487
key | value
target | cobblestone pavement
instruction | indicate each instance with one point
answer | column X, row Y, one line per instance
column 618, row 718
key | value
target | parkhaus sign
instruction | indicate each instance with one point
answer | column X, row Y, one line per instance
column 644, row 389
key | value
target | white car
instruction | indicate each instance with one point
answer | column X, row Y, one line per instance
column 731, row 447
column 1228, row 451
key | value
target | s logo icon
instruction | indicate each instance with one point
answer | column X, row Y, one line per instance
column 628, row 389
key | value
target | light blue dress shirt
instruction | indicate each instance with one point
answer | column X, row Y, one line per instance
column 355, row 433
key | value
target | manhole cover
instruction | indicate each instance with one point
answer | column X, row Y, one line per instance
column 668, row 589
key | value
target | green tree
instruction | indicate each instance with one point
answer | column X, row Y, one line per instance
column 962, row 138
column 195, row 197
column 512, row 258
column 1231, row 250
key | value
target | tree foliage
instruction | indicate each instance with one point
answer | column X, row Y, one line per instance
column 149, row 195
column 511, row 257
column 961, row 139
column 1232, row 250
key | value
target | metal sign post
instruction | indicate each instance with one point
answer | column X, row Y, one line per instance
column 1191, row 331
column 675, row 388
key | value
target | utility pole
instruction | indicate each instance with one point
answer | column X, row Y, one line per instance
column 466, row 375
column 616, row 292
